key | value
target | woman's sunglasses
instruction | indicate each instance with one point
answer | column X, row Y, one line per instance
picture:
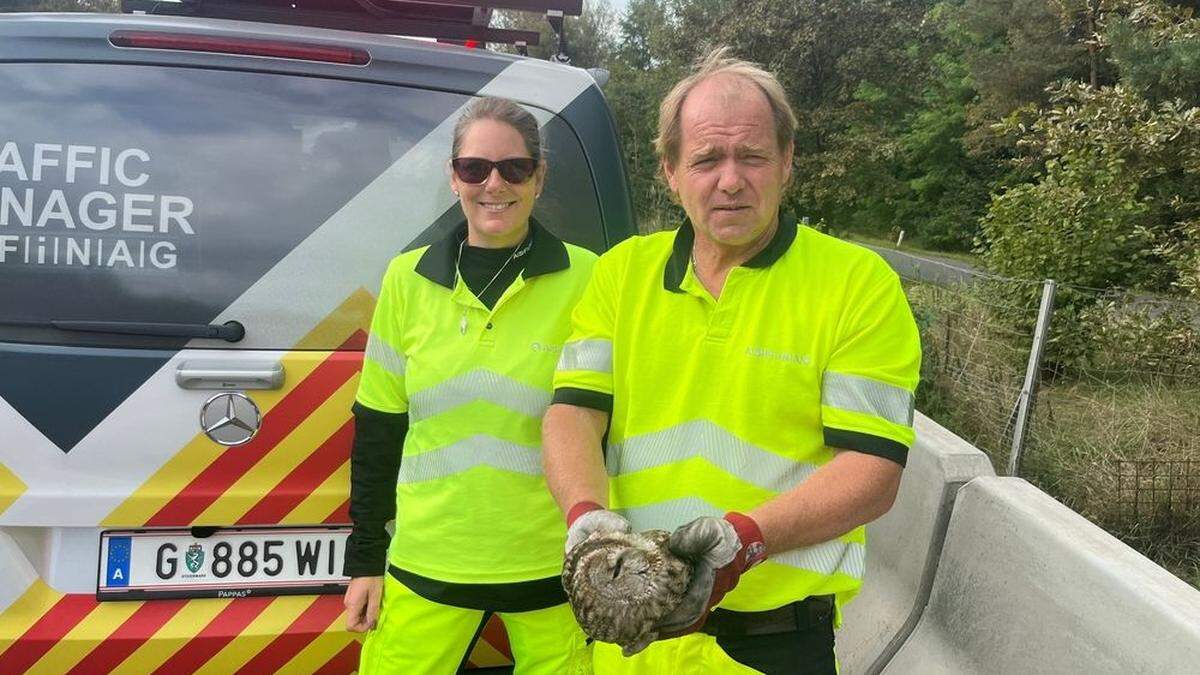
column 476, row 170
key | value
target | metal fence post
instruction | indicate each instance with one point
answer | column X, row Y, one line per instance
column 1029, row 390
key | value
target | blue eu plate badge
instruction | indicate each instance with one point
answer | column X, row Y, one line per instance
column 118, row 561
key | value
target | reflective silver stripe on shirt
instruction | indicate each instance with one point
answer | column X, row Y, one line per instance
column 478, row 450
column 593, row 355
column 478, row 385
column 385, row 355
column 864, row 395
column 702, row 438
column 826, row 558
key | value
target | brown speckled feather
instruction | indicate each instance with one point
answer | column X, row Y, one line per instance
column 621, row 585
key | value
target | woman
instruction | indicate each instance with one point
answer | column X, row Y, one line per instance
column 458, row 372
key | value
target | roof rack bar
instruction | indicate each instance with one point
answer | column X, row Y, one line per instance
column 568, row 7
column 481, row 17
column 555, row 18
column 361, row 22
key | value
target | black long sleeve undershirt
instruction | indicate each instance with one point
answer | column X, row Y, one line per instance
column 374, row 466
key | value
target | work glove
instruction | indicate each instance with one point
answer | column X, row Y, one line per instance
column 720, row 550
column 587, row 517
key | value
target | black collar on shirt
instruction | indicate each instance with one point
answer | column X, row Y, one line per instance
column 547, row 254
column 685, row 237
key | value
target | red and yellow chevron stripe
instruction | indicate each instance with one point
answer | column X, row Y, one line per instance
column 72, row 633
column 296, row 472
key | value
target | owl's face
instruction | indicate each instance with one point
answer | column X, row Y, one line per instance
column 622, row 573
column 621, row 585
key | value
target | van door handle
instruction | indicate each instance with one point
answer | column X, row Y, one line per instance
column 206, row 374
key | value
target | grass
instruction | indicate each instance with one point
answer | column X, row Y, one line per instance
column 1125, row 456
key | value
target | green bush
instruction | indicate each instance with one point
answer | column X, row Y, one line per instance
column 1114, row 205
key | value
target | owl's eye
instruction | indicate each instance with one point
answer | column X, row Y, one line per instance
column 617, row 566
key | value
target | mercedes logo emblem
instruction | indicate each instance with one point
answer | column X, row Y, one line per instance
column 230, row 418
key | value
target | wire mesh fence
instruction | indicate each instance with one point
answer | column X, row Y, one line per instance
column 1150, row 488
column 975, row 353
column 1114, row 430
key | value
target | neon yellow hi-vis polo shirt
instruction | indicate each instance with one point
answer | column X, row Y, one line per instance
column 720, row 405
column 472, row 505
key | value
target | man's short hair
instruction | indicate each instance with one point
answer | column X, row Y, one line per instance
column 719, row 61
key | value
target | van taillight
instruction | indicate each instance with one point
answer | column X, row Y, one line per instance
column 245, row 46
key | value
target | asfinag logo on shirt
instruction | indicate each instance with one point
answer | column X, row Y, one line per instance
column 763, row 353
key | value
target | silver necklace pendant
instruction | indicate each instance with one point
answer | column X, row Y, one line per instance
column 517, row 253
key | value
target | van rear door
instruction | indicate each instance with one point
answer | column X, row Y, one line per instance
column 189, row 258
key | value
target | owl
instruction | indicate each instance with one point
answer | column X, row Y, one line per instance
column 621, row 585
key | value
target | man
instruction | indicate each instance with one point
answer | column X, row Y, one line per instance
column 754, row 380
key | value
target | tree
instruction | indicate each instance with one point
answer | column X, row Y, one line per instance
column 849, row 67
column 1016, row 48
column 641, row 32
column 948, row 186
column 648, row 60
column 1156, row 49
column 1115, row 197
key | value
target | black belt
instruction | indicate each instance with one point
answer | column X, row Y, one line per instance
column 803, row 615
column 517, row 596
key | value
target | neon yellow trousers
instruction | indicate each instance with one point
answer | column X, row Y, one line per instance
column 419, row 636
column 695, row 654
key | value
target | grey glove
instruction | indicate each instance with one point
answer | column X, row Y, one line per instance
column 720, row 550
column 588, row 517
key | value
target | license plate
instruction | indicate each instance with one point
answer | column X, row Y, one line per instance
column 234, row 562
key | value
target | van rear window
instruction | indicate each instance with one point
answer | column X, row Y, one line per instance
column 175, row 195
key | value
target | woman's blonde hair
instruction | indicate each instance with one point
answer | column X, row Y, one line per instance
column 720, row 61
column 501, row 110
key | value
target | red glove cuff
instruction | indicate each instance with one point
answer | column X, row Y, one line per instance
column 580, row 509
column 754, row 549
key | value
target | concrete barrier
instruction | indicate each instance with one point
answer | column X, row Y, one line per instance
column 1025, row 585
column 903, row 548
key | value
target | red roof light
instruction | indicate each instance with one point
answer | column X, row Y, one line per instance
column 244, row 46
